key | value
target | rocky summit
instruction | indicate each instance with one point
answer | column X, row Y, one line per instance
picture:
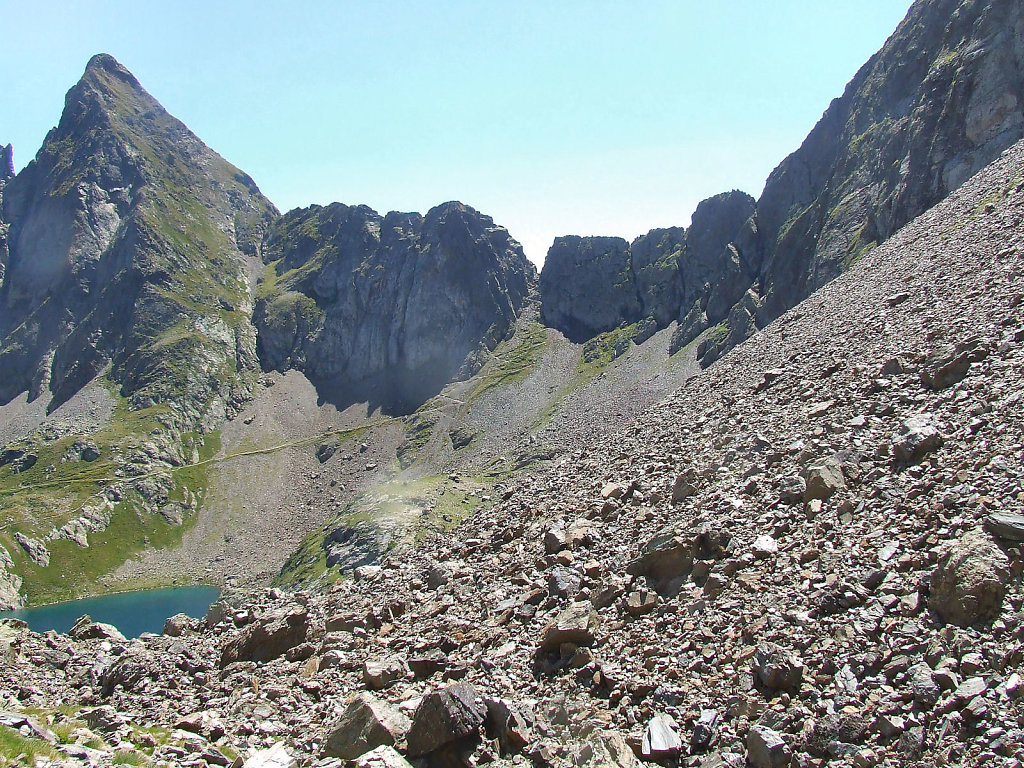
column 356, row 300
column 742, row 493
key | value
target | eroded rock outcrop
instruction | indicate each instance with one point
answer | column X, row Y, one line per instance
column 592, row 285
column 388, row 308
column 941, row 99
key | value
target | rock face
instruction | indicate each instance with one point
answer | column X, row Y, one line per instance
column 128, row 240
column 592, row 285
column 940, row 100
column 389, row 308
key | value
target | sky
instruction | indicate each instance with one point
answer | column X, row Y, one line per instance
column 554, row 117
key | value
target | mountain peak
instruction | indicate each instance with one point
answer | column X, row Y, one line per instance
column 6, row 162
column 105, row 63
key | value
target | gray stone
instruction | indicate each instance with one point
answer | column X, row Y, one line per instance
column 380, row 673
column 1006, row 525
column 792, row 489
column 274, row 757
column 661, row 739
column 925, row 690
column 177, row 625
column 270, row 637
column 918, row 438
column 445, row 716
column 766, row 748
column 824, row 480
column 764, row 546
column 509, row 725
column 577, row 624
column 776, row 670
column 665, row 560
column 381, row 757
column 969, row 582
column 365, row 723
column 606, row 749
column 705, row 730
column 87, row 629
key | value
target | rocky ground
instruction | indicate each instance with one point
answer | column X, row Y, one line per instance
column 809, row 555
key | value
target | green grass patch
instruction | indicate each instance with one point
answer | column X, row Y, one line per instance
column 512, row 360
column 130, row 757
column 18, row 750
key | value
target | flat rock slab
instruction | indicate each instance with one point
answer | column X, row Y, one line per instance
column 1006, row 526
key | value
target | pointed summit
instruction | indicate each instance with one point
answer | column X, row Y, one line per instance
column 6, row 162
column 123, row 225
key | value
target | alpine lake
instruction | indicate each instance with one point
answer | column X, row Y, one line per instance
column 133, row 613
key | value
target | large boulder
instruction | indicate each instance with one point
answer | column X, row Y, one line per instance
column 87, row 629
column 665, row 560
column 445, row 716
column 269, row 637
column 969, row 582
column 365, row 723
column 577, row 624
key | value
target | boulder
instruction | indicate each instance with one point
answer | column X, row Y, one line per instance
column 87, row 629
column 766, row 748
column 1006, row 526
column 509, row 725
column 577, row 624
column 776, row 670
column 274, row 757
column 381, row 757
column 917, row 438
column 665, row 561
column 969, row 582
column 661, row 739
column 380, row 673
column 269, row 637
column 365, row 723
column 444, row 717
column 176, row 625
column 823, row 481
column 606, row 749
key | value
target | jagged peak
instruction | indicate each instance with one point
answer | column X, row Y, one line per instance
column 6, row 162
column 107, row 64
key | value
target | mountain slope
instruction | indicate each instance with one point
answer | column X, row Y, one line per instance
column 792, row 560
column 941, row 99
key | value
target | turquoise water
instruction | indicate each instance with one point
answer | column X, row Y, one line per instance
column 131, row 612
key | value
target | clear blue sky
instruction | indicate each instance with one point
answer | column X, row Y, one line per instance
column 554, row 117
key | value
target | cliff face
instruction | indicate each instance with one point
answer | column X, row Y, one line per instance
column 388, row 308
column 592, row 285
column 940, row 100
column 6, row 173
column 128, row 245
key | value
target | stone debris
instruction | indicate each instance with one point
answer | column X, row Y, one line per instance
column 757, row 612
